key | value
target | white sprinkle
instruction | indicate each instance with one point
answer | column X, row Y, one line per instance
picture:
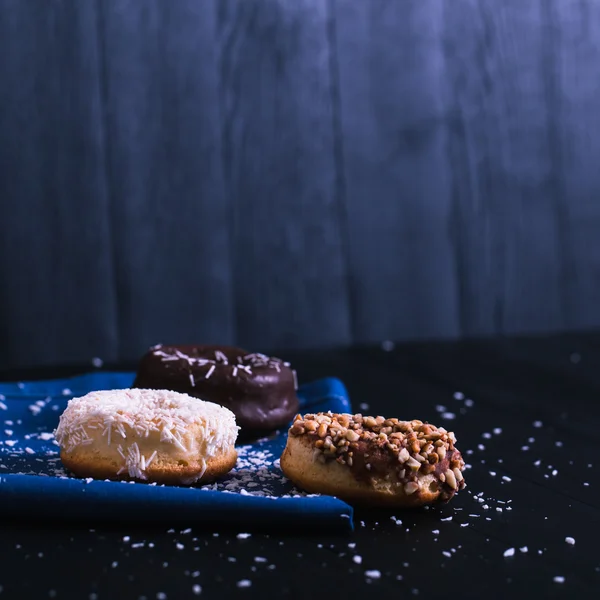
column 97, row 362
column 244, row 583
column 196, row 574
column 138, row 545
column 509, row 552
column 352, row 545
column 498, row 509
column 537, row 463
column 464, row 524
column 480, row 447
column 29, row 450
column 523, row 549
column 243, row 536
column 559, row 579
column 497, row 430
column 570, row 540
column 260, row 559
column 558, row 444
column 373, row 574
column 208, row 374
column 126, row 538
column 447, row 554
column 524, row 448
column 446, row 519
column 486, row 435
column 554, row 473
column 114, row 564
column 219, row 356
column 363, row 406
column 3, row 406
column 235, row 370
column 448, row 415
column 505, row 478
column 357, row 559
column 586, row 484
column 197, row 589
column 179, row 546
column 459, row 396
column 161, row 596
column 46, row 437
column 493, row 473
column 192, row 382
column 537, row 424
column 469, row 402
column 439, row 408
column 435, row 531
column 66, row 392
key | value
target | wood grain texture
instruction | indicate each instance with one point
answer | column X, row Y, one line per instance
column 56, row 296
column 573, row 46
column 280, row 167
column 397, row 176
column 170, row 216
column 508, row 199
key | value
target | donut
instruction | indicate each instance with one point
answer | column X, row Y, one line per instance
column 146, row 435
column 373, row 461
column 260, row 390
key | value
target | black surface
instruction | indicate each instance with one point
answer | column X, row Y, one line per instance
column 512, row 384
column 294, row 173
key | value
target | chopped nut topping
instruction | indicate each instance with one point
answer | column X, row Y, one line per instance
column 379, row 448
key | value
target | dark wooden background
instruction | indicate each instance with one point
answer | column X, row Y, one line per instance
column 290, row 174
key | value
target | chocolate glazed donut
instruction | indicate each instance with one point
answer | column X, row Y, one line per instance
column 260, row 390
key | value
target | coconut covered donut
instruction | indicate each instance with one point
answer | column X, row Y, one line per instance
column 147, row 435
column 372, row 460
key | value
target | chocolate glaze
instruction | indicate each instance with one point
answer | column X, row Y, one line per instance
column 259, row 390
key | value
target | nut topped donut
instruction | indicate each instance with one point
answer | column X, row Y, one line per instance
column 260, row 390
column 147, row 435
column 373, row 460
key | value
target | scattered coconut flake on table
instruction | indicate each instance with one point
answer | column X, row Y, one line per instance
column 509, row 552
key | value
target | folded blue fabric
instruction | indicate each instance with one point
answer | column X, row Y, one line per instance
column 254, row 496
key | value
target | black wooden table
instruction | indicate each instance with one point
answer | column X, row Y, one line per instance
column 527, row 417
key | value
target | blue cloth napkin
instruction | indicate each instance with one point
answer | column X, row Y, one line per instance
column 254, row 496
